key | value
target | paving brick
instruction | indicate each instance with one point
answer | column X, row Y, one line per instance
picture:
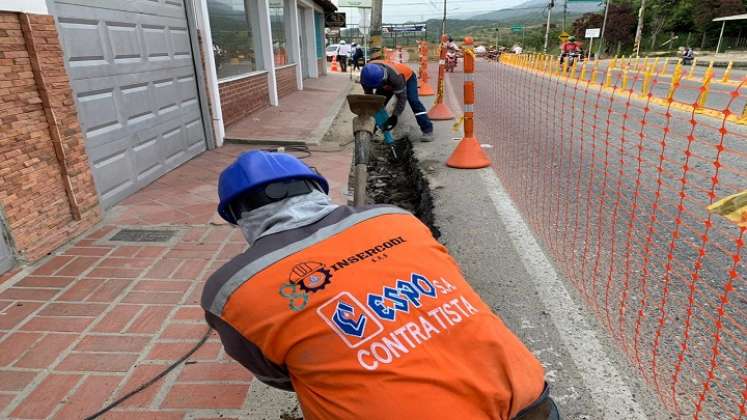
column 133, row 263
column 80, row 290
column 56, row 324
column 88, row 251
column 40, row 403
column 162, row 286
column 156, row 298
column 125, row 251
column 231, row 250
column 163, row 268
column 151, row 251
column 109, row 290
column 190, row 270
column 117, row 273
column 206, row 396
column 19, row 293
column 89, row 397
column 112, row 343
column 54, row 264
column 184, row 331
column 173, row 351
column 45, row 281
column 14, row 380
column 46, row 351
column 140, row 374
column 73, row 309
column 78, row 266
column 5, row 400
column 15, row 345
column 190, row 313
column 16, row 313
column 117, row 319
column 214, row 372
column 98, row 362
column 150, row 320
column 144, row 415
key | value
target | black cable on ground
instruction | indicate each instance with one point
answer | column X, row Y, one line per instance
column 154, row 379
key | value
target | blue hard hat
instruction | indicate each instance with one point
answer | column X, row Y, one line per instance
column 372, row 75
column 256, row 169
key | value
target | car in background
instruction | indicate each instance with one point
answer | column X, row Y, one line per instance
column 331, row 51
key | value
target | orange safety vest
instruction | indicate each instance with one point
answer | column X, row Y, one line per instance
column 400, row 68
column 372, row 319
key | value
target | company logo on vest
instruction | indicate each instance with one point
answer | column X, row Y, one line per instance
column 350, row 319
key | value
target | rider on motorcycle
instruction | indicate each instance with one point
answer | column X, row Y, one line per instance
column 570, row 47
column 451, row 46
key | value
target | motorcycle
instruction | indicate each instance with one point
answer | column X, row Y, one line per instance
column 451, row 61
column 687, row 58
column 572, row 57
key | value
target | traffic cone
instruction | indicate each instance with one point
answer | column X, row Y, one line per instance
column 334, row 64
column 469, row 153
column 426, row 89
column 440, row 111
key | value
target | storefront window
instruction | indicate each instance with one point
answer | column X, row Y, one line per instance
column 235, row 42
column 278, row 22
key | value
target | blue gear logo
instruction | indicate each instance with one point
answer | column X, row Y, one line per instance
column 310, row 276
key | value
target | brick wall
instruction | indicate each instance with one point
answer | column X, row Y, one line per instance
column 239, row 98
column 286, row 78
column 47, row 192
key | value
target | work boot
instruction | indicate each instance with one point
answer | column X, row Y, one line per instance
column 427, row 137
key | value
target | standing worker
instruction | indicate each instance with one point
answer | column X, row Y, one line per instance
column 343, row 55
column 360, row 311
column 388, row 78
column 357, row 57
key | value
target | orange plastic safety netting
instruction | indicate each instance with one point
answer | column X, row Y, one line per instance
column 614, row 165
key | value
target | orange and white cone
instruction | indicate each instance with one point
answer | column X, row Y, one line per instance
column 468, row 154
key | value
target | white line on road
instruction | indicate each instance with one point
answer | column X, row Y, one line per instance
column 600, row 376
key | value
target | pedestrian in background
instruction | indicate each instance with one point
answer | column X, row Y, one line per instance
column 343, row 53
column 357, row 57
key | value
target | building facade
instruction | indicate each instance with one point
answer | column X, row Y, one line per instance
column 101, row 98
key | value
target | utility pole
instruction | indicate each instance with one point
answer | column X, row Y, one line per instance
column 376, row 39
column 565, row 12
column 443, row 22
column 547, row 29
column 604, row 26
column 639, row 30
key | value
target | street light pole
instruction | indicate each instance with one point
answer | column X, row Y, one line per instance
column 565, row 12
column 375, row 30
column 604, row 26
column 639, row 30
column 443, row 22
column 547, row 29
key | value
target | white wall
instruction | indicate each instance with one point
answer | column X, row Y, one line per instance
column 38, row 7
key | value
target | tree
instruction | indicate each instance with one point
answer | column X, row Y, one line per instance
column 621, row 27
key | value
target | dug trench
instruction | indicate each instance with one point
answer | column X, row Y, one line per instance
column 400, row 181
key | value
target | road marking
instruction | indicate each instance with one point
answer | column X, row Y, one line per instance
column 600, row 376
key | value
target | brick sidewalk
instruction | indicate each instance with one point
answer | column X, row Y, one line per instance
column 98, row 318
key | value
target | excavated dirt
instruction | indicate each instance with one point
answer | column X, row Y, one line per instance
column 400, row 182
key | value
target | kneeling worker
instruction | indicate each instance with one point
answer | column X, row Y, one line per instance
column 360, row 311
column 388, row 78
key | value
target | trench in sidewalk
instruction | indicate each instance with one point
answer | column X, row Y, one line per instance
column 400, row 181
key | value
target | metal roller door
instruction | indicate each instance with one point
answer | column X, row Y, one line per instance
column 131, row 68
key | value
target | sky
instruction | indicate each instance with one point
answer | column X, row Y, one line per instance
column 400, row 11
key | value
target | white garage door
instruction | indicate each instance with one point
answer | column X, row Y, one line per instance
column 131, row 68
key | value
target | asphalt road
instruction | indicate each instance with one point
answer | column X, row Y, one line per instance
column 599, row 179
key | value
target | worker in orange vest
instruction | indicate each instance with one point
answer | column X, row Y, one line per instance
column 388, row 78
column 360, row 311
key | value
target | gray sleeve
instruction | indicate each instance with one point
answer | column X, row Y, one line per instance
column 249, row 355
column 399, row 88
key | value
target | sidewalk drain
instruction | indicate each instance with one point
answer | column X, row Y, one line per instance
column 143, row 235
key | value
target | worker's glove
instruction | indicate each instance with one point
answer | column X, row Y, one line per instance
column 390, row 123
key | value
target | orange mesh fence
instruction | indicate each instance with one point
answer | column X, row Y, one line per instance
column 614, row 166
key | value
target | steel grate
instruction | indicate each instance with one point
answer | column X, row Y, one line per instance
column 143, row 235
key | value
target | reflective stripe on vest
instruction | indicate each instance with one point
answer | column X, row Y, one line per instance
column 399, row 68
column 237, row 279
